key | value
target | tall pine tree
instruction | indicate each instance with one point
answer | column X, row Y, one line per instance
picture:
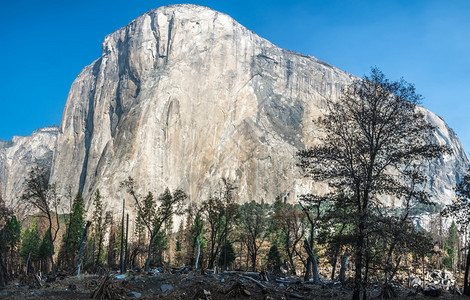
column 73, row 235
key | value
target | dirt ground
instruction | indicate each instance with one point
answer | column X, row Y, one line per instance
column 193, row 285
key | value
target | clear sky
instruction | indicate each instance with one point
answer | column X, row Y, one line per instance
column 45, row 44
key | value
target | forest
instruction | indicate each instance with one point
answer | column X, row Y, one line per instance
column 347, row 237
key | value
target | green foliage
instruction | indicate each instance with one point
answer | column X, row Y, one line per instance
column 160, row 244
column 73, row 235
column 118, row 239
column 274, row 259
column 452, row 244
column 447, row 262
column 98, row 226
column 422, row 208
column 44, row 248
column 287, row 229
column 13, row 232
column 30, row 242
column 253, row 224
column 227, row 252
column 198, row 230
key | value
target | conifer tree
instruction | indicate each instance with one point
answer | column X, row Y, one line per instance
column 13, row 234
column 44, row 248
column 30, row 244
column 452, row 245
column 98, row 225
column 179, row 247
column 73, row 235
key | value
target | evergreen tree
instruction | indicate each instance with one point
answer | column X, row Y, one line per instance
column 196, row 238
column 274, row 259
column 73, row 235
column 179, row 255
column 227, row 254
column 98, row 226
column 13, row 235
column 160, row 244
column 452, row 245
column 111, row 252
column 30, row 244
column 5, row 236
column 44, row 248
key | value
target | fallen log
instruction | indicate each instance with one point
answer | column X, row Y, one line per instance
column 294, row 295
column 287, row 281
column 262, row 286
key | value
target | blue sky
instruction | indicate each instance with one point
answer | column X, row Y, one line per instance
column 45, row 44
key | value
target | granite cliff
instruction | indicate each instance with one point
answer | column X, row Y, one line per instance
column 18, row 155
column 184, row 96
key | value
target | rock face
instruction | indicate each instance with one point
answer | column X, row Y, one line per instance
column 184, row 96
column 18, row 156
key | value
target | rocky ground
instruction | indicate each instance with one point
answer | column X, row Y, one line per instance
column 186, row 284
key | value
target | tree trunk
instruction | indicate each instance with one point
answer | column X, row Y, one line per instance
column 316, row 277
column 93, row 254
column 253, row 261
column 308, row 269
column 366, row 278
column 358, row 262
column 3, row 275
column 51, row 247
column 291, row 261
column 149, row 253
column 12, row 268
column 27, row 263
column 100, row 247
column 333, row 263
column 121, row 257
column 198, row 252
column 82, row 247
column 466, row 285
column 126, row 257
column 423, row 274
column 344, row 265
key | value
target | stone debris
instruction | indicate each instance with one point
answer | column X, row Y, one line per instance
column 134, row 295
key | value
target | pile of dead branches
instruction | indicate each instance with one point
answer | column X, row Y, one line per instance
column 237, row 290
column 108, row 290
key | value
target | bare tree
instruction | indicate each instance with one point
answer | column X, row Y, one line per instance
column 42, row 195
column 375, row 127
